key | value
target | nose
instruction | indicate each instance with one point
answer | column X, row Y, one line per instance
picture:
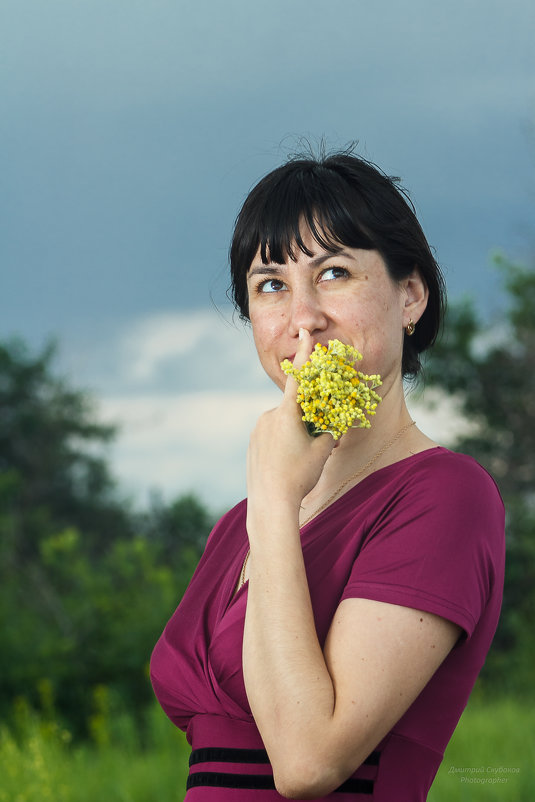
column 306, row 312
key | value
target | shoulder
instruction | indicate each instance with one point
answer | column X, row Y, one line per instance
column 458, row 506
column 446, row 472
column 442, row 497
column 226, row 542
column 436, row 541
column 444, row 459
column 230, row 524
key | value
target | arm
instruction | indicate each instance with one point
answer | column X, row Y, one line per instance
column 319, row 713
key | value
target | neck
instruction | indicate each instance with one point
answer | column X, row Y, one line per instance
column 357, row 447
column 360, row 452
column 392, row 414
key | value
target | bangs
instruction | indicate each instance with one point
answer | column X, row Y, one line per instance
column 316, row 199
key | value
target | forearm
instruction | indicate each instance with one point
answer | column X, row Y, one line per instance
column 288, row 684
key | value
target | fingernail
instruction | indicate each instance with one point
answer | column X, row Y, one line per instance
column 302, row 333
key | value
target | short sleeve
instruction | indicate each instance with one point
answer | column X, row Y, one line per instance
column 438, row 545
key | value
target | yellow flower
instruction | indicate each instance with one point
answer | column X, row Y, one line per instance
column 333, row 395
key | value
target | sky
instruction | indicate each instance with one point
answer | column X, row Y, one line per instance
column 131, row 133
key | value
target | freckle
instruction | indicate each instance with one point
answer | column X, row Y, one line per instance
column 421, row 619
column 432, row 645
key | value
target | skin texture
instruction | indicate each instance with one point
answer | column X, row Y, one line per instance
column 320, row 713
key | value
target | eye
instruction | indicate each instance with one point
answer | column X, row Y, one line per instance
column 270, row 285
column 332, row 273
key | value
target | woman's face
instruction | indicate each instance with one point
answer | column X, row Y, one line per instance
column 347, row 296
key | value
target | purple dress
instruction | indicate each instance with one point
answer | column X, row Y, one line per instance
column 427, row 533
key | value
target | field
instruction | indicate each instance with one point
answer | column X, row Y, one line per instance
column 490, row 758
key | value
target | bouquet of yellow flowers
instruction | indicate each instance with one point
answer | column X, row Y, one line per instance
column 333, row 395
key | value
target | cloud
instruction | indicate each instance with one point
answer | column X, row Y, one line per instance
column 439, row 416
column 157, row 340
column 192, row 442
column 185, row 411
column 187, row 351
column 185, row 390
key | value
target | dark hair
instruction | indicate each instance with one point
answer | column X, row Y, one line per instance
column 344, row 200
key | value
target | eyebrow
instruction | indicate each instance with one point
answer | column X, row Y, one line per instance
column 267, row 270
column 264, row 270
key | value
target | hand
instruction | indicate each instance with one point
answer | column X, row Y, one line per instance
column 284, row 462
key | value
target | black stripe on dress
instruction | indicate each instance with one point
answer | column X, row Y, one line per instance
column 216, row 754
column 221, row 754
column 265, row 782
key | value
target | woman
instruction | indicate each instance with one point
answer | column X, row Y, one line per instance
column 338, row 619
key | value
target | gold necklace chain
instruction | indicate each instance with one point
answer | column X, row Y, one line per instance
column 331, row 498
column 360, row 471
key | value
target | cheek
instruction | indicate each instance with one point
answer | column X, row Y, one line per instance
column 267, row 327
column 267, row 333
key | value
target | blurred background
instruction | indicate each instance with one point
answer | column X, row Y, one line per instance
column 131, row 133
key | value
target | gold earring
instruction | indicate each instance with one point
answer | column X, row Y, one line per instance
column 410, row 327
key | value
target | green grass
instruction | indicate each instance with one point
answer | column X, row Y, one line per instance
column 38, row 761
column 490, row 756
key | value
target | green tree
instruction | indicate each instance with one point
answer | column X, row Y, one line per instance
column 50, row 473
column 86, row 583
column 491, row 370
column 180, row 528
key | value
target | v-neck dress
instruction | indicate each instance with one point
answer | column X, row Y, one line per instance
column 427, row 533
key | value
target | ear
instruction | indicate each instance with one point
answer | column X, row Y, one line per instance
column 415, row 294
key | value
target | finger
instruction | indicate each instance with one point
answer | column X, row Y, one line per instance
column 305, row 347
column 325, row 444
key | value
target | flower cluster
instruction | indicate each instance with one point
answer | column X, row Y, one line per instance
column 334, row 396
